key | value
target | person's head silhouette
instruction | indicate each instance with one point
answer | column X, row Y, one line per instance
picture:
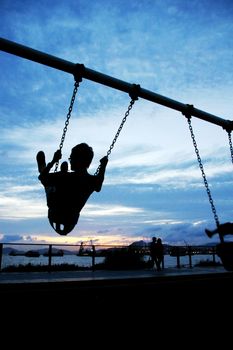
column 81, row 156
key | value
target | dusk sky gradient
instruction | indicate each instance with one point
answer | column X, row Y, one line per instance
column 153, row 186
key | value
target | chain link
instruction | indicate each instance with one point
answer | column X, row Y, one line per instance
column 119, row 130
column 76, row 85
column 203, row 172
column 230, row 143
column 120, row 127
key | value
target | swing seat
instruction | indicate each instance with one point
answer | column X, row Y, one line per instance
column 62, row 229
column 62, row 221
column 66, row 195
column 225, row 252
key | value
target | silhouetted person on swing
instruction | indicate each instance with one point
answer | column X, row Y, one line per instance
column 222, row 229
column 68, row 192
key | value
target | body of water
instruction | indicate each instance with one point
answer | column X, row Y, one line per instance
column 86, row 261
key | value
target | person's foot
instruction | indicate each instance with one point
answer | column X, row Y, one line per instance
column 64, row 167
column 40, row 158
column 209, row 233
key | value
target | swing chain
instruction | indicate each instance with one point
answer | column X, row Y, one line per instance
column 188, row 116
column 76, row 85
column 120, row 127
column 134, row 97
column 78, row 73
column 230, row 143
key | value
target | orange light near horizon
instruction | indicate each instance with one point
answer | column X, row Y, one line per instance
column 86, row 239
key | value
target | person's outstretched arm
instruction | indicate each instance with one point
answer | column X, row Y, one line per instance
column 56, row 158
column 46, row 170
column 101, row 173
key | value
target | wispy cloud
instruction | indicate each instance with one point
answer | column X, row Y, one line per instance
column 153, row 181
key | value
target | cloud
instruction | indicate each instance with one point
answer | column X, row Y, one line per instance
column 153, row 179
column 10, row 238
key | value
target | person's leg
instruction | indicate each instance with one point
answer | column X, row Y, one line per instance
column 64, row 167
column 160, row 259
column 157, row 264
column 40, row 158
column 210, row 233
column 223, row 229
column 153, row 263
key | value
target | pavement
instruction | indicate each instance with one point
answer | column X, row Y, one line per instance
column 104, row 275
column 111, row 293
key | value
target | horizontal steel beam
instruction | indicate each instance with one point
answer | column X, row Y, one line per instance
column 69, row 67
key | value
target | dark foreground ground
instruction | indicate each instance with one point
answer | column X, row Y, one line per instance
column 186, row 307
column 173, row 289
column 174, row 305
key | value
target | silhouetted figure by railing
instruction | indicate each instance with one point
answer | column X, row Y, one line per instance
column 81, row 249
column 93, row 254
column 153, row 254
column 159, row 251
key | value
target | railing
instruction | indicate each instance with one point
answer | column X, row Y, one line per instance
column 50, row 251
column 190, row 251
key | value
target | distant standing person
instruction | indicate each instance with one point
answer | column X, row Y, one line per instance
column 159, row 254
column 153, row 252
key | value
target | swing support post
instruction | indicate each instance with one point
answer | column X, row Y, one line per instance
column 71, row 68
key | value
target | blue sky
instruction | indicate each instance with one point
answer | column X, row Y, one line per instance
column 153, row 185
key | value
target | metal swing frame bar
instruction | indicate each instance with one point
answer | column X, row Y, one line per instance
column 71, row 68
